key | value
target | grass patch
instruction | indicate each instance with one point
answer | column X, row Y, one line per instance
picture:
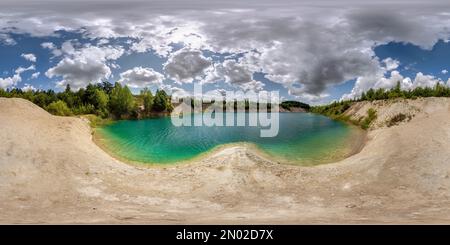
column 96, row 121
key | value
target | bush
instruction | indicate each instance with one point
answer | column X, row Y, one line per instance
column 59, row 108
column 96, row 121
column 371, row 116
column 395, row 120
column 84, row 109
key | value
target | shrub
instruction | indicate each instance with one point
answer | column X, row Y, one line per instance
column 371, row 116
column 84, row 109
column 59, row 108
column 395, row 120
column 96, row 121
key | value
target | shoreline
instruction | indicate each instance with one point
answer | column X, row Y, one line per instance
column 352, row 148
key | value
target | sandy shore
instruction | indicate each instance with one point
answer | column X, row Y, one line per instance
column 52, row 172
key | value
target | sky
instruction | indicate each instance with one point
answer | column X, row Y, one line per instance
column 311, row 51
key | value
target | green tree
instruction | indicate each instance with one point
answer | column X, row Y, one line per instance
column 395, row 92
column 3, row 93
column 121, row 102
column 370, row 94
column 147, row 99
column 67, row 96
column 363, row 96
column 106, row 86
column 161, row 101
column 380, row 94
column 101, row 103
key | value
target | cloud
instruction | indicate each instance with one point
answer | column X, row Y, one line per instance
column 252, row 86
column 391, row 64
column 35, row 75
column 21, row 70
column 10, row 81
column 52, row 47
column 79, row 72
column 408, row 25
column 140, row 77
column 84, row 65
column 237, row 74
column 27, row 87
column 186, row 65
column 406, row 83
column 375, row 81
column 175, row 92
column 422, row 80
column 29, row 57
column 296, row 52
column 6, row 39
column 294, row 43
column 16, row 78
column 444, row 71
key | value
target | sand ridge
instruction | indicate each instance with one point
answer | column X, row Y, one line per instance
column 52, row 172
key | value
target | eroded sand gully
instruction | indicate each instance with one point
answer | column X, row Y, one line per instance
column 52, row 172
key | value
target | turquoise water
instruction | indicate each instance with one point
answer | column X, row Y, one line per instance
column 303, row 138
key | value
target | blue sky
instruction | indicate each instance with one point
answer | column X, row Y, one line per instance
column 26, row 44
column 412, row 59
column 292, row 49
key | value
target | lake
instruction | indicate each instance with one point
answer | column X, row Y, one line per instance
column 303, row 138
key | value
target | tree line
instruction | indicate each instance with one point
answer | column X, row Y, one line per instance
column 438, row 90
column 102, row 99
column 337, row 109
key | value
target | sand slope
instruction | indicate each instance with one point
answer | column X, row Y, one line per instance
column 52, row 172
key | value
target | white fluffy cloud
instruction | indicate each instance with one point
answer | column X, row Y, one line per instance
column 78, row 72
column 406, row 83
column 35, row 75
column 186, row 65
column 28, row 87
column 444, row 71
column 52, row 47
column 10, row 81
column 176, row 92
column 391, row 64
column 30, row 57
column 235, row 73
column 13, row 80
column 140, row 77
column 422, row 80
column 21, row 70
column 84, row 65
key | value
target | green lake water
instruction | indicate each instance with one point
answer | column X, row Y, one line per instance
column 303, row 138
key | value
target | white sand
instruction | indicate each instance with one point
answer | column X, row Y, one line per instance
column 52, row 172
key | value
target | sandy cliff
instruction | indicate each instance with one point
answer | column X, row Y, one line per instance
column 52, row 172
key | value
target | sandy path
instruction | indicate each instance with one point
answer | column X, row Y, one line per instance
column 52, row 172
